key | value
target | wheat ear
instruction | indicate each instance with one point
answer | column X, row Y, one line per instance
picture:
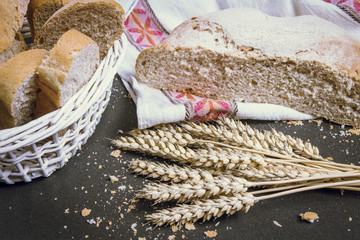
column 207, row 209
column 202, row 209
column 275, row 139
column 169, row 172
column 161, row 192
column 242, row 165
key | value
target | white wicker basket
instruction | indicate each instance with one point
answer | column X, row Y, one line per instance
column 43, row 145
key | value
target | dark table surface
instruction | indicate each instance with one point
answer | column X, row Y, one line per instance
column 50, row 208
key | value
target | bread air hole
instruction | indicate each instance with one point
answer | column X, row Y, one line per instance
column 196, row 27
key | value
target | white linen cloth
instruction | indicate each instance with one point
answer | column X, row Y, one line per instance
column 153, row 107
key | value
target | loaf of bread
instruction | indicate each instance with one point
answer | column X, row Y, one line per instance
column 101, row 20
column 18, row 88
column 12, row 14
column 17, row 46
column 69, row 66
column 305, row 63
column 39, row 11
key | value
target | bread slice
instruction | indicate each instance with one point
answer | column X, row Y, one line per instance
column 39, row 11
column 69, row 66
column 304, row 62
column 101, row 20
column 17, row 46
column 18, row 88
column 12, row 14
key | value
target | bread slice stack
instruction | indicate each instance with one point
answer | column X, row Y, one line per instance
column 305, row 63
column 101, row 20
column 36, row 82
column 69, row 66
column 12, row 14
column 18, row 88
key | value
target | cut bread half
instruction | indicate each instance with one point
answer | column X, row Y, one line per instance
column 39, row 11
column 12, row 14
column 305, row 62
column 18, row 88
column 17, row 46
column 101, row 20
column 69, row 66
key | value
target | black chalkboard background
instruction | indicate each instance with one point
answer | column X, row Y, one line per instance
column 50, row 208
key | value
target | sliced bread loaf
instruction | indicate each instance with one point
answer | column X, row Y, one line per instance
column 39, row 11
column 18, row 88
column 17, row 46
column 12, row 14
column 304, row 62
column 69, row 66
column 101, row 20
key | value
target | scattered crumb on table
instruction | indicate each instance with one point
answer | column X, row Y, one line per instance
column 210, row 233
column 309, row 216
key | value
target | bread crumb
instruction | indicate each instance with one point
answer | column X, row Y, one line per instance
column 318, row 121
column 354, row 131
column 171, row 237
column 189, row 226
column 309, row 216
column 115, row 153
column 174, row 228
column 86, row 236
column 296, row 123
column 277, row 223
column 133, row 227
column 350, row 219
column 85, row 212
column 210, row 234
column 131, row 207
column 113, row 179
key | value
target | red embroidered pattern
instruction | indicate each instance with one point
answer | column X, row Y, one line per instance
column 145, row 33
column 202, row 109
column 351, row 3
column 142, row 30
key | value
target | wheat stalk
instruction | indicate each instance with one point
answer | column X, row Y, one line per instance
column 169, row 172
column 207, row 209
column 275, row 139
column 205, row 157
column 249, row 165
column 161, row 192
column 202, row 209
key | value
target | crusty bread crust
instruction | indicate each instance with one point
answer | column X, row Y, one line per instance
column 12, row 14
column 304, row 62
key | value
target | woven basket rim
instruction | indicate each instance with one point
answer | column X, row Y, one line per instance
column 11, row 138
